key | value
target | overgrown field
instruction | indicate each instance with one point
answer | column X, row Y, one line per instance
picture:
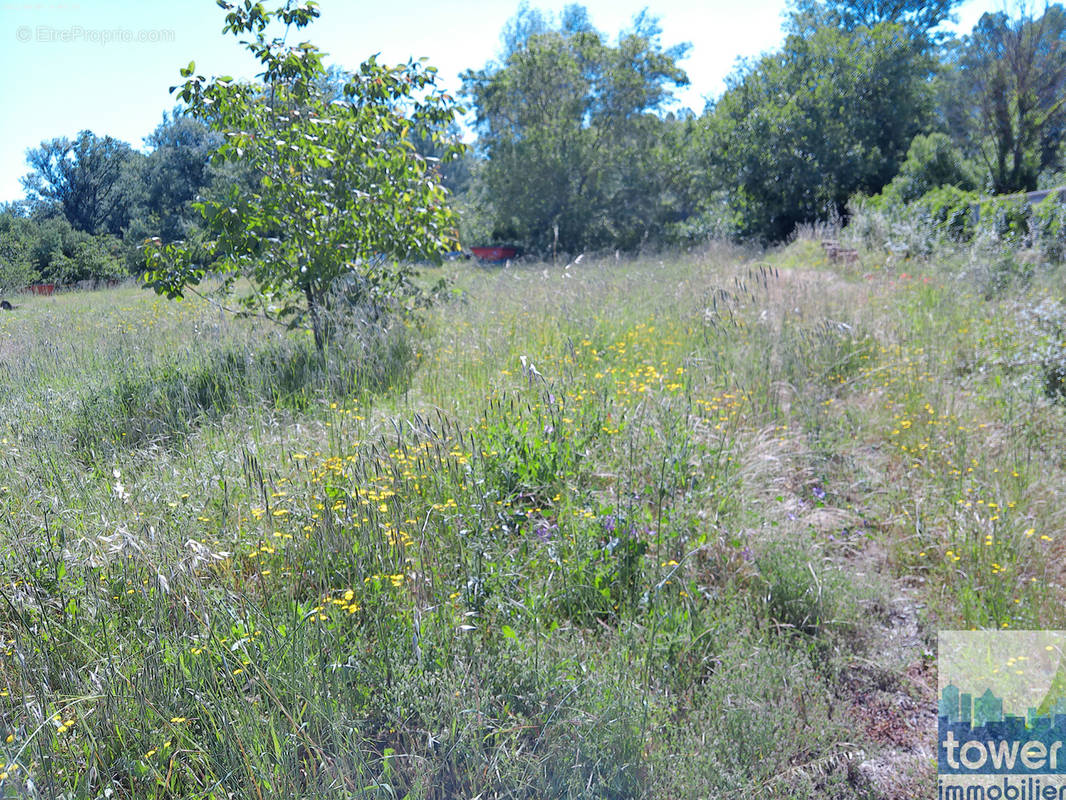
column 680, row 527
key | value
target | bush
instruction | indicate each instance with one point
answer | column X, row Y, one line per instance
column 952, row 211
column 932, row 162
column 1047, row 227
column 995, row 228
column 1006, row 218
column 16, row 268
column 51, row 250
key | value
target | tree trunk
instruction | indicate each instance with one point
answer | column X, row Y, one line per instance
column 316, row 319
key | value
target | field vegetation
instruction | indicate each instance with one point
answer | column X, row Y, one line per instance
column 666, row 527
column 672, row 506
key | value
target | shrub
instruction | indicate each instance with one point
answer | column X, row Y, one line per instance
column 933, row 162
column 16, row 268
column 1006, row 218
column 952, row 212
column 1047, row 228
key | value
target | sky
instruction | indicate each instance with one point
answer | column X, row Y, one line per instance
column 107, row 65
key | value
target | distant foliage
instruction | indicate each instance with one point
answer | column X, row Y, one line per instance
column 52, row 251
column 799, row 132
column 577, row 154
column 93, row 180
column 917, row 16
column 932, row 161
column 1002, row 95
column 175, row 172
column 581, row 146
column 996, row 229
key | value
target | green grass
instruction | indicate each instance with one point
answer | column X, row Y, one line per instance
column 615, row 530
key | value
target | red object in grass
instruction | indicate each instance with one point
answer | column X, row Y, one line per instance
column 494, row 253
column 43, row 288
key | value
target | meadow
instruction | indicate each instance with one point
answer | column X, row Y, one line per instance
column 677, row 527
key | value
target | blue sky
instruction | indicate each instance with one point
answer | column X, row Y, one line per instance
column 106, row 65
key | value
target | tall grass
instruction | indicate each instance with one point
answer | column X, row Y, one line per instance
column 590, row 531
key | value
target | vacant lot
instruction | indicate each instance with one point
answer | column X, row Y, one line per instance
column 680, row 527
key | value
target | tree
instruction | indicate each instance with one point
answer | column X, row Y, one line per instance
column 176, row 170
column 50, row 249
column 918, row 17
column 568, row 126
column 1008, row 93
column 94, row 180
column 340, row 196
column 799, row 131
column 16, row 260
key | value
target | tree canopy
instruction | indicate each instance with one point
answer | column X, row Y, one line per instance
column 800, row 131
column 177, row 169
column 315, row 177
column 93, row 180
column 1006, row 95
column 918, row 17
column 569, row 124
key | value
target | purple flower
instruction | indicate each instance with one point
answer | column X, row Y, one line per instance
column 818, row 492
column 546, row 530
column 746, row 554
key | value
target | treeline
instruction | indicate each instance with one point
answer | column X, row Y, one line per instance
column 578, row 146
column 574, row 149
column 91, row 202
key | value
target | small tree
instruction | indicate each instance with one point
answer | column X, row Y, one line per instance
column 932, row 161
column 340, row 197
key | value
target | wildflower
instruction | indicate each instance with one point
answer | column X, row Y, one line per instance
column 545, row 530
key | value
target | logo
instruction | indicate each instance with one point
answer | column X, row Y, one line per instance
column 1002, row 715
